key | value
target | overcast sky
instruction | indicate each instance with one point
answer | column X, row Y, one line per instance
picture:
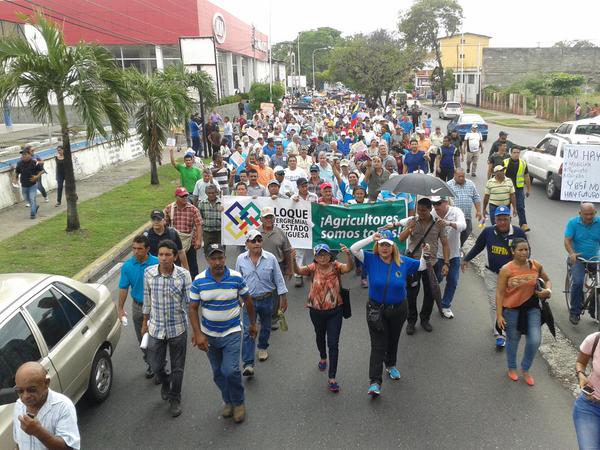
column 511, row 23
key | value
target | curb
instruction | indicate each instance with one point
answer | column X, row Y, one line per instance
column 534, row 126
column 112, row 257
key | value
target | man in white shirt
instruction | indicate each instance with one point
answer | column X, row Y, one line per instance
column 42, row 418
column 286, row 187
column 293, row 172
column 454, row 219
column 473, row 147
column 199, row 194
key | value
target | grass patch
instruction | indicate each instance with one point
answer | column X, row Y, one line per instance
column 513, row 122
column 105, row 220
column 479, row 111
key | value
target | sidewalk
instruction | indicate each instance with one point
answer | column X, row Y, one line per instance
column 15, row 219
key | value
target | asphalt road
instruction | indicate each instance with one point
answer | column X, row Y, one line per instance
column 547, row 219
column 454, row 393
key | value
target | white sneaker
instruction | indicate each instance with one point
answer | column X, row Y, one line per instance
column 46, row 199
column 447, row 313
column 27, row 205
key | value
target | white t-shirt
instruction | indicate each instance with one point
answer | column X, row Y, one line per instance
column 473, row 141
column 293, row 175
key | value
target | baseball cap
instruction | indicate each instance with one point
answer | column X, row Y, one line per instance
column 499, row 168
column 267, row 211
column 157, row 214
column 273, row 182
column 24, row 150
column 437, row 199
column 325, row 185
column 314, row 168
column 387, row 237
column 344, row 162
column 189, row 152
column 420, row 130
column 245, row 138
column 503, row 133
column 301, row 181
column 474, row 125
column 502, row 210
column 321, row 248
column 253, row 234
column 278, row 169
column 181, row 191
column 214, row 248
column 343, row 133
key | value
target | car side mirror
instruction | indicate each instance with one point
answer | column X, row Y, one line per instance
column 8, row 396
column 552, row 130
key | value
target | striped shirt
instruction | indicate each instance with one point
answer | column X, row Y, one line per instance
column 166, row 299
column 219, row 301
column 211, row 215
column 466, row 196
column 499, row 191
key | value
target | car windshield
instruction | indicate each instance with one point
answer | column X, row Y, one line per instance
column 471, row 118
column 591, row 128
column 452, row 105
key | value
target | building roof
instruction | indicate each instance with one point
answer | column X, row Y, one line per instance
column 466, row 34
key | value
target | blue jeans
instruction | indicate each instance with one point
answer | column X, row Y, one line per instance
column 360, row 265
column 263, row 310
column 224, row 357
column 577, row 278
column 513, row 336
column 157, row 353
column 520, row 197
column 586, row 417
column 328, row 325
column 29, row 194
column 451, row 279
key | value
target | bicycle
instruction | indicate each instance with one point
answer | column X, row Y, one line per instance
column 591, row 286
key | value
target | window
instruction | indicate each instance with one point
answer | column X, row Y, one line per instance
column 462, row 41
column 565, row 128
column 55, row 316
column 17, row 346
column 551, row 147
column 234, row 71
column 84, row 303
column 471, row 79
column 591, row 128
column 540, row 147
column 461, row 56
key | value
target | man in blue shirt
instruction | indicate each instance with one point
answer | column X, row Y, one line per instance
column 263, row 276
column 582, row 240
column 343, row 144
column 132, row 276
column 497, row 239
column 215, row 294
column 195, row 135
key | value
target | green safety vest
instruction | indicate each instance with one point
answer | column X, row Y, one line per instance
column 520, row 172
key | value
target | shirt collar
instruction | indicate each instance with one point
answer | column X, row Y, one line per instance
column 225, row 275
column 596, row 220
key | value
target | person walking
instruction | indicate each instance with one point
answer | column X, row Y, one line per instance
column 499, row 191
column 518, row 172
column 577, row 111
column 166, row 298
column 518, row 310
column 215, row 317
column 586, row 410
column 444, row 164
column 497, row 159
column 387, row 272
column 132, row 279
column 301, row 254
column 59, row 161
column 195, row 131
column 210, row 211
column 188, row 173
column 415, row 159
column 262, row 275
column 473, row 147
column 437, row 140
column 28, row 172
column 325, row 304
column 496, row 239
column 466, row 196
column 159, row 232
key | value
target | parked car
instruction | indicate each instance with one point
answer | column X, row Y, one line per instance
column 545, row 161
column 450, row 110
column 71, row 328
column 464, row 122
column 583, row 127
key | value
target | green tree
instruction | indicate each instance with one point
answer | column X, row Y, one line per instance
column 423, row 23
column 575, row 43
column 161, row 103
column 260, row 93
column 436, row 81
column 85, row 75
column 564, row 83
column 375, row 65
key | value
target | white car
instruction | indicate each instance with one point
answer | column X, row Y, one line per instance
column 580, row 128
column 545, row 161
column 450, row 110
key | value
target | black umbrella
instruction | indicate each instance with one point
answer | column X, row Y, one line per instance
column 548, row 317
column 418, row 183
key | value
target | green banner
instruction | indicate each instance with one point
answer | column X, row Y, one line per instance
column 333, row 224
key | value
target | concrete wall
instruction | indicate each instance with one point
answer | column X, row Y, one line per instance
column 86, row 162
column 505, row 66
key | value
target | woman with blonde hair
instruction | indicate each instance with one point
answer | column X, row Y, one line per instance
column 387, row 271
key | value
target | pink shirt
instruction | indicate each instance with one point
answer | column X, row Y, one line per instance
column 594, row 377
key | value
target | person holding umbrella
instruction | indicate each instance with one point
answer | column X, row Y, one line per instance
column 518, row 311
column 387, row 271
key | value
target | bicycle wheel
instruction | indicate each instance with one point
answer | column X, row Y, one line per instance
column 567, row 290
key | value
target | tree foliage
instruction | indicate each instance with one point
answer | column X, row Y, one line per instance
column 374, row 64
column 260, row 93
column 575, row 43
column 85, row 75
column 427, row 20
column 436, row 81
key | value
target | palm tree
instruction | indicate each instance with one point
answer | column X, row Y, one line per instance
column 161, row 104
column 85, row 75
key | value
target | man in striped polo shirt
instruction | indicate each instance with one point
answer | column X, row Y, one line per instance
column 215, row 294
column 499, row 191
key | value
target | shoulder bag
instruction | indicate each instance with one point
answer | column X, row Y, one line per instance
column 374, row 310
column 186, row 238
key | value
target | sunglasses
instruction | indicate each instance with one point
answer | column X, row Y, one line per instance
column 256, row 239
column 29, row 390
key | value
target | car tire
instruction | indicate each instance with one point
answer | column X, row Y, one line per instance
column 552, row 190
column 101, row 378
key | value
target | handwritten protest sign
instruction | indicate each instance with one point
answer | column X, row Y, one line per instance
column 581, row 173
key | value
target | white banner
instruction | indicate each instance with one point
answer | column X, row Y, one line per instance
column 242, row 214
column 581, row 173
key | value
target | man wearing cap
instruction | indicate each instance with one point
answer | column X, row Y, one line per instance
column 454, row 219
column 132, row 278
column 502, row 139
column 189, row 174
column 262, row 274
column 327, row 197
column 274, row 189
column 279, row 158
column 210, row 211
column 265, row 173
column 518, row 172
column 497, row 240
column 472, row 147
column 499, row 190
column 159, row 232
column 215, row 317
column 497, row 159
column 466, row 196
column 185, row 218
column 28, row 172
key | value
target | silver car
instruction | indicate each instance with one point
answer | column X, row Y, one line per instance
column 71, row 328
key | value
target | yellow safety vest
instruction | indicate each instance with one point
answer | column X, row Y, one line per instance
column 520, row 173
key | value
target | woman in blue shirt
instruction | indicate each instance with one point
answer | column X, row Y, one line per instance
column 387, row 271
column 416, row 159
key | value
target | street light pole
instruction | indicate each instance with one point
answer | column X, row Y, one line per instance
column 313, row 63
column 298, row 61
